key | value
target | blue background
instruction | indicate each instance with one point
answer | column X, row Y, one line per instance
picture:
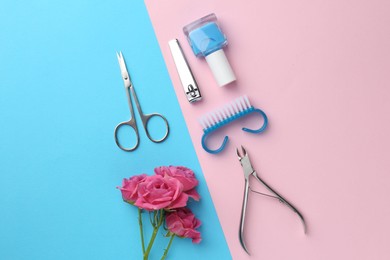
column 61, row 95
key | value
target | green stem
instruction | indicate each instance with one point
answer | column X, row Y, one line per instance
column 141, row 230
column 156, row 214
column 154, row 234
column 167, row 249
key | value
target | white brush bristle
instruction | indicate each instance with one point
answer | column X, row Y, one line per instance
column 229, row 110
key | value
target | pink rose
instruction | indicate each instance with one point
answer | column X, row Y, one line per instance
column 184, row 175
column 183, row 223
column 129, row 187
column 157, row 192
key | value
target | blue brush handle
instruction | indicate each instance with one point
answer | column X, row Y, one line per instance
column 263, row 127
column 226, row 138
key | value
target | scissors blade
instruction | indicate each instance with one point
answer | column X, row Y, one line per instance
column 124, row 72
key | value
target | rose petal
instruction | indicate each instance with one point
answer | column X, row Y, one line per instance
column 193, row 194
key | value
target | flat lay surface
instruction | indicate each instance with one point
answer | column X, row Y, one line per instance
column 320, row 71
column 61, row 96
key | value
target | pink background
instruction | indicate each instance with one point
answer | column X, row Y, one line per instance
column 320, row 70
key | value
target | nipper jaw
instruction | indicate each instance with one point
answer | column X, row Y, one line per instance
column 245, row 163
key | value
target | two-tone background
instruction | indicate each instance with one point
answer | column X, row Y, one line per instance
column 319, row 69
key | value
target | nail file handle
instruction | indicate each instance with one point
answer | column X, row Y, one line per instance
column 187, row 79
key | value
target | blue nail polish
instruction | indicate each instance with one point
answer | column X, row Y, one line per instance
column 207, row 40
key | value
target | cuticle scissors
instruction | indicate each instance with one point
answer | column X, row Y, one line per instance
column 144, row 117
column 249, row 171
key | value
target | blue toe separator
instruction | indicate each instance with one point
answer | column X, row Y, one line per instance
column 217, row 126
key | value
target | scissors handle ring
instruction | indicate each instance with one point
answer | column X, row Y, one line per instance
column 145, row 121
column 132, row 124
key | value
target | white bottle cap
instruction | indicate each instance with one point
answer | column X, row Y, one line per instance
column 220, row 67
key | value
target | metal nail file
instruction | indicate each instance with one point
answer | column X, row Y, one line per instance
column 187, row 79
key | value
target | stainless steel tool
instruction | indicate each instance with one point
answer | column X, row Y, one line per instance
column 144, row 117
column 248, row 172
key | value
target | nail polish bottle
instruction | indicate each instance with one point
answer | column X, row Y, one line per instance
column 207, row 40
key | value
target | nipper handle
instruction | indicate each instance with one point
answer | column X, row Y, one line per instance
column 283, row 200
column 241, row 233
